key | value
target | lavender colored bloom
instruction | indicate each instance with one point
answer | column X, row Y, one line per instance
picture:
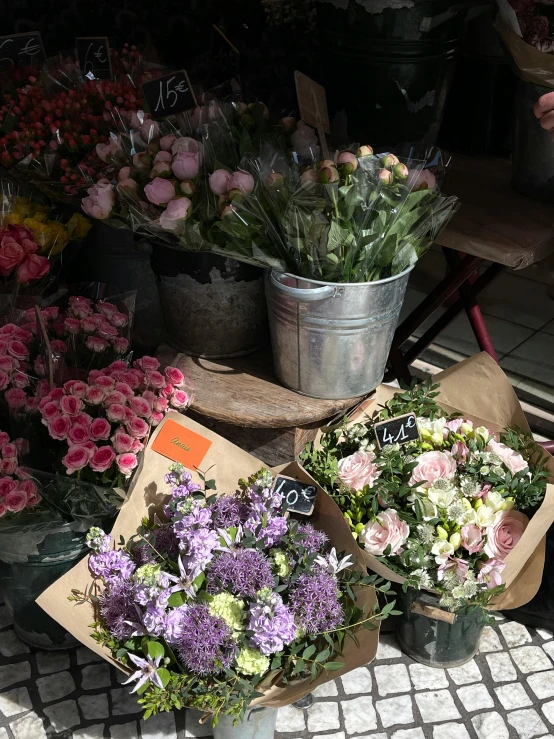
column 206, row 646
column 111, row 565
column 154, row 620
column 147, row 671
column 98, row 541
column 314, row 601
column 117, row 608
column 272, row 623
column 175, row 624
column 166, row 542
column 228, row 511
column 242, row 572
column 143, row 554
column 312, row 539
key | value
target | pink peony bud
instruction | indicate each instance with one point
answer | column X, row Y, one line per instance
column 347, row 162
column 219, row 181
column 275, row 180
column 365, row 151
column 241, row 180
column 385, row 176
column 159, row 191
column 308, row 177
column 328, row 175
column 400, row 171
column 177, row 211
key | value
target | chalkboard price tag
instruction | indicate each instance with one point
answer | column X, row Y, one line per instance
column 93, row 53
column 21, row 49
column 399, row 430
column 299, row 496
column 169, row 94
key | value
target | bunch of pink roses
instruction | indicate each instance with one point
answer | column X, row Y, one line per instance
column 17, row 491
column 96, row 327
column 18, row 255
column 102, row 425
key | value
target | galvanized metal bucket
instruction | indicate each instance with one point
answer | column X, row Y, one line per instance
column 258, row 723
column 332, row 340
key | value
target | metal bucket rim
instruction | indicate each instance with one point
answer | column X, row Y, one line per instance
column 347, row 284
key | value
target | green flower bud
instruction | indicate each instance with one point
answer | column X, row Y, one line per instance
column 455, row 540
column 442, row 533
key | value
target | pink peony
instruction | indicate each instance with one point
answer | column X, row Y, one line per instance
column 100, row 200
column 70, row 405
column 96, row 345
column 304, row 141
column 15, row 397
column 433, row 466
column 76, row 458
column 179, row 399
column 388, row 530
column 137, row 428
column 185, row 165
column 15, row 501
column 219, row 181
column 126, row 463
column 78, row 434
column 122, row 442
column 358, row 470
column 115, row 412
column 100, row 429
column 59, row 427
column 513, row 461
column 166, row 142
column 503, row 536
column 174, row 376
column 422, row 180
column 242, row 181
column 472, row 538
column 177, row 212
column 490, row 572
column 102, row 459
column 159, row 191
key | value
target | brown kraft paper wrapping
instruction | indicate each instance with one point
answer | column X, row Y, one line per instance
column 479, row 389
column 226, row 464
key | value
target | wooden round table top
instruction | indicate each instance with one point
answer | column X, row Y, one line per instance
column 245, row 392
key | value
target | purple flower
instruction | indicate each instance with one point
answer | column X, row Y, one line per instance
column 111, row 565
column 312, row 539
column 242, row 572
column 154, row 619
column 185, row 580
column 147, row 671
column 166, row 542
column 205, row 646
column 117, row 608
column 315, row 603
column 228, row 511
column 272, row 623
column 143, row 554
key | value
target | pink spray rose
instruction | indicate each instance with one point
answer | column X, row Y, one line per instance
column 242, row 181
column 100, row 200
column 127, row 463
column 18, row 350
column 102, row 459
column 185, row 165
column 137, row 428
column 76, row 458
column 4, row 380
column 179, row 399
column 472, row 538
column 100, row 429
column 358, row 470
column 59, row 427
column 388, row 530
column 78, row 434
column 490, row 572
column 122, row 442
column 433, row 466
column 507, row 530
column 155, row 379
column 159, row 191
column 15, row 501
column 513, row 461
column 174, row 376
column 177, row 212
column 156, row 418
column 219, row 181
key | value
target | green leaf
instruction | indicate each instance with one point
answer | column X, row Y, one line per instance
column 210, row 485
column 164, row 675
column 307, row 653
column 333, row 665
column 322, row 656
column 155, row 649
column 177, row 599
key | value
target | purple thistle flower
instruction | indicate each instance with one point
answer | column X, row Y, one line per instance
column 111, row 565
column 272, row 623
column 147, row 671
column 242, row 572
column 166, row 542
column 206, row 646
column 314, row 600
column 312, row 539
column 228, row 511
column 143, row 554
column 117, row 608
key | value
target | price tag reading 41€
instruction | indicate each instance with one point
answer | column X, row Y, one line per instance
column 299, row 497
column 399, row 430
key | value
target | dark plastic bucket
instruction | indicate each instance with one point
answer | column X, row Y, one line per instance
column 213, row 307
column 390, row 71
column 425, row 635
column 29, row 562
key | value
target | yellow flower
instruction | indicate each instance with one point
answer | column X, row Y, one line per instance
column 78, row 227
column 51, row 236
column 11, row 219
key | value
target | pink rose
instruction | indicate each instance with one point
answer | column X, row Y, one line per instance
column 129, row 415
column 88, row 325
column 242, row 181
column 115, row 412
column 76, row 458
column 137, row 428
column 7, row 484
column 30, row 489
column 100, row 429
column 122, row 442
column 7, row 364
column 103, row 381
column 490, row 572
column 388, row 530
column 460, row 451
column 15, row 501
column 96, row 345
column 70, row 405
column 9, row 450
column 115, row 397
column 4, row 438
column 59, row 427
column 22, row 334
column 32, row 269
column 472, row 538
column 77, row 388
column 155, row 379
column 100, row 200
column 15, row 397
column 8, row 466
column 125, row 390
column 11, row 254
column 4, row 380
column 83, row 419
column 126, row 463
column 185, row 165
column 166, row 142
column 94, row 396
column 513, row 461
column 50, row 411
column 20, row 380
column 102, row 459
column 156, row 418
column 106, row 309
column 147, row 364
column 131, row 379
column 141, row 407
column 179, row 399
column 18, row 350
column 160, row 405
column 174, row 376
column 118, row 366
column 119, row 319
column 219, row 181
column 78, row 434
column 72, row 325
column 159, row 191
column 177, row 212
column 505, row 533
column 433, row 466
column 358, row 470
column 120, row 345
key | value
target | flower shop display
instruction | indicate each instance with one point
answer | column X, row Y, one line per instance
column 222, row 579
column 450, row 513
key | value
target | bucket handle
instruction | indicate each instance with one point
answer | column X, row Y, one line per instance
column 301, row 295
column 429, row 23
column 432, row 612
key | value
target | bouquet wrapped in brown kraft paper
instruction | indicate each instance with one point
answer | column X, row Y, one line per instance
column 444, row 488
column 213, row 592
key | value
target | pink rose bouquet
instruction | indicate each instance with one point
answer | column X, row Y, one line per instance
column 444, row 510
column 17, row 491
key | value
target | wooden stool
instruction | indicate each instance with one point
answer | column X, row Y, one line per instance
column 241, row 400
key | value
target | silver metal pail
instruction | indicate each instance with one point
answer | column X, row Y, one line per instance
column 258, row 723
column 330, row 339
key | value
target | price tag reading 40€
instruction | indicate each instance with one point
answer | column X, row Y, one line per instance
column 399, row 430
column 299, row 496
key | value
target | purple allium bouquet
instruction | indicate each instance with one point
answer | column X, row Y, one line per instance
column 226, row 598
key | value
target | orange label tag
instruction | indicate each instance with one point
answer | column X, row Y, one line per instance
column 181, row 445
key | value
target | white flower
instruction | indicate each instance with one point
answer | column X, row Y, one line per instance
column 434, row 430
column 482, row 433
column 485, row 516
column 332, row 564
column 442, row 551
column 494, row 501
column 441, row 497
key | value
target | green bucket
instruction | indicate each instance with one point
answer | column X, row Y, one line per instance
column 433, row 636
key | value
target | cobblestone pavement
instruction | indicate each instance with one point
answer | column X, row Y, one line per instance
column 506, row 692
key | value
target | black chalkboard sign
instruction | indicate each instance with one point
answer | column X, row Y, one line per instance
column 399, row 430
column 21, row 49
column 169, row 94
column 299, row 496
column 93, row 53
column 224, row 58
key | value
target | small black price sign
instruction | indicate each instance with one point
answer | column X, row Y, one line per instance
column 399, row 430
column 21, row 49
column 299, row 496
column 93, row 53
column 169, row 94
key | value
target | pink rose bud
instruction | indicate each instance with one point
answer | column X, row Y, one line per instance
column 219, row 181
column 177, row 211
column 159, row 191
column 228, row 211
column 347, row 162
column 365, row 151
column 241, row 180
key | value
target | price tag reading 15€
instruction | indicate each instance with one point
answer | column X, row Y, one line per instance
column 399, row 430
column 169, row 94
